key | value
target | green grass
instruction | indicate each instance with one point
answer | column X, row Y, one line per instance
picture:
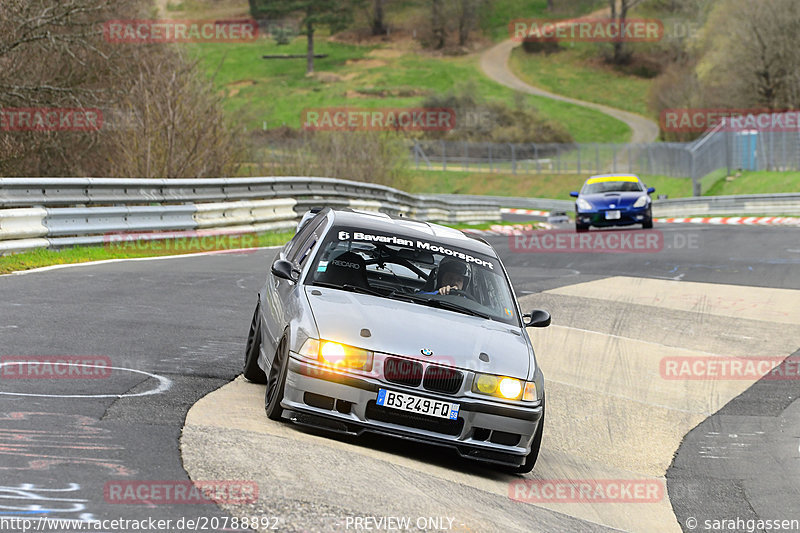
column 578, row 72
column 82, row 254
column 556, row 186
column 275, row 92
column 488, row 225
column 761, row 182
column 496, row 16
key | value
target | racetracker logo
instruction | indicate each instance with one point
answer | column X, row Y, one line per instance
column 586, row 490
column 586, row 30
column 50, row 119
column 716, row 368
column 732, row 120
column 378, row 119
column 180, row 492
column 181, row 242
column 568, row 241
column 180, row 31
column 55, row 367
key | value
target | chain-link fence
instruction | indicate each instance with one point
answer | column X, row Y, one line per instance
column 719, row 151
column 668, row 159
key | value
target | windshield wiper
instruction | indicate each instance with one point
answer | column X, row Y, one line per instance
column 450, row 306
column 351, row 288
column 435, row 302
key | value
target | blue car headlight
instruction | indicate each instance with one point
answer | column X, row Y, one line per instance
column 640, row 202
column 583, row 205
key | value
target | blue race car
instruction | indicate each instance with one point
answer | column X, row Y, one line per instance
column 613, row 200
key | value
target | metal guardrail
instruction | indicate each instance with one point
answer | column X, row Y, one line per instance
column 752, row 204
column 56, row 212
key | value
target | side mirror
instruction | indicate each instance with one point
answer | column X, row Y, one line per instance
column 538, row 318
column 651, row 190
column 284, row 269
column 574, row 194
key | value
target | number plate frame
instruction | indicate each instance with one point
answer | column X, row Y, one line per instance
column 411, row 403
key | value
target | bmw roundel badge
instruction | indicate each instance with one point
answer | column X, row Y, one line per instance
column 426, row 352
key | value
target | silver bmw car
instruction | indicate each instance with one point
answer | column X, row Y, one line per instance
column 372, row 323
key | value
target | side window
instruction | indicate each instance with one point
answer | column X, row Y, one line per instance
column 300, row 252
column 292, row 247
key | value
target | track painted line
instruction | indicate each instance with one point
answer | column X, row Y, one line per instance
column 155, row 258
column 747, row 221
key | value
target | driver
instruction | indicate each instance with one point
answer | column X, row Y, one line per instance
column 452, row 275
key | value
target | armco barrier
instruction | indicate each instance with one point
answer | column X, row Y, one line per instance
column 22, row 223
column 79, row 211
column 752, row 204
column 56, row 212
column 243, row 213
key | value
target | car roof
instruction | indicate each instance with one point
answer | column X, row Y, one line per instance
column 409, row 227
column 613, row 177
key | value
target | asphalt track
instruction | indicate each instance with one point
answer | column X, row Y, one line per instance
column 722, row 449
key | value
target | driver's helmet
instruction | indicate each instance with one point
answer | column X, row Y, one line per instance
column 455, row 266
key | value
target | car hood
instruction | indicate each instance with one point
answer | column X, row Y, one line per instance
column 619, row 199
column 404, row 328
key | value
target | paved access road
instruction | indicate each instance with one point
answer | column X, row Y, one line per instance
column 174, row 330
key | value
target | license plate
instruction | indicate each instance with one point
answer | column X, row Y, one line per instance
column 417, row 404
column 612, row 215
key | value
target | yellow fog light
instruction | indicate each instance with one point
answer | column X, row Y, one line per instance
column 342, row 356
column 504, row 387
column 486, row 384
column 510, row 388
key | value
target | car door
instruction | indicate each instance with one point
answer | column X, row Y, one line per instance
column 280, row 296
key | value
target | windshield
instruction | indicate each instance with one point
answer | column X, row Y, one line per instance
column 611, row 186
column 414, row 270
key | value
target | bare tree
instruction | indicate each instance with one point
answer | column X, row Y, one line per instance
column 53, row 54
column 755, row 61
column 377, row 23
column 621, row 53
column 438, row 24
column 466, row 17
column 173, row 128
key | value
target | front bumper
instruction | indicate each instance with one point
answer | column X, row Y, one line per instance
column 627, row 216
column 485, row 430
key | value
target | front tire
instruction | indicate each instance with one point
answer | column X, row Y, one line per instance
column 530, row 459
column 648, row 222
column 276, row 381
column 251, row 369
column 581, row 228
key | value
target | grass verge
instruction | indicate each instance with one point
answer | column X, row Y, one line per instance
column 135, row 249
column 578, row 72
column 756, row 182
column 557, row 186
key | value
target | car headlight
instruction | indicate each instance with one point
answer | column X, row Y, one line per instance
column 504, row 387
column 640, row 202
column 583, row 205
column 337, row 355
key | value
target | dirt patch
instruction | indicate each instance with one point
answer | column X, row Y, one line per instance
column 400, row 92
column 235, row 87
column 386, row 53
column 366, row 63
column 325, row 77
column 356, row 94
